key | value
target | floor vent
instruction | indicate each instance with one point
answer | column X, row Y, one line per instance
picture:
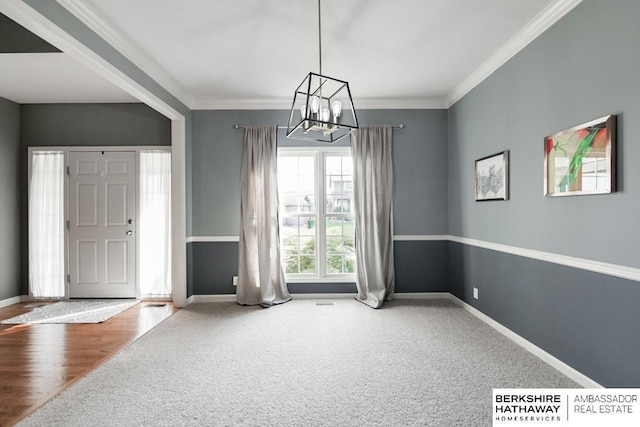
column 324, row 303
column 156, row 305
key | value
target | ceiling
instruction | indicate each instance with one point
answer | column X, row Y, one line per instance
column 254, row 53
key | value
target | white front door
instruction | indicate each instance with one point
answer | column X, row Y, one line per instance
column 102, row 242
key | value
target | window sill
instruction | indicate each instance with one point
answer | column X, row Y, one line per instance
column 319, row 280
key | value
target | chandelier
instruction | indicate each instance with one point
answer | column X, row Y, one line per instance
column 322, row 108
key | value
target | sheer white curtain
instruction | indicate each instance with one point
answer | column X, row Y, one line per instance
column 154, row 225
column 46, row 225
column 372, row 196
column 260, row 275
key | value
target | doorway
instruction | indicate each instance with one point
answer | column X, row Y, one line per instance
column 114, row 200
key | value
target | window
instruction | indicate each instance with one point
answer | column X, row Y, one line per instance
column 317, row 227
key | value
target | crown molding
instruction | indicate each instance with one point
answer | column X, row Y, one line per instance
column 431, row 103
column 241, row 104
column 285, row 104
column 126, row 47
column 545, row 19
column 538, row 25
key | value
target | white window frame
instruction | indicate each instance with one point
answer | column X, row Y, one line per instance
column 319, row 154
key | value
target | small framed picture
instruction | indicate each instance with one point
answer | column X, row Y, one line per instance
column 492, row 177
column 580, row 160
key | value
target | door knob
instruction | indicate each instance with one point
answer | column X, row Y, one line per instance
column 130, row 221
column 129, row 233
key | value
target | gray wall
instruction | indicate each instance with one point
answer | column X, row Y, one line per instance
column 419, row 154
column 16, row 39
column 84, row 125
column 419, row 158
column 10, row 219
column 93, row 124
column 582, row 68
column 568, row 76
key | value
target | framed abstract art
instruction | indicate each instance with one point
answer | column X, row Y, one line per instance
column 580, row 160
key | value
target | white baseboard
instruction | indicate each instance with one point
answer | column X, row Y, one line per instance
column 13, row 300
column 558, row 364
column 324, row 296
column 422, row 295
column 212, row 298
column 232, row 297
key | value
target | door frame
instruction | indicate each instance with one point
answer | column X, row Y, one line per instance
column 92, row 148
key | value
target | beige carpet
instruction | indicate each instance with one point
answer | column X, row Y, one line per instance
column 413, row 362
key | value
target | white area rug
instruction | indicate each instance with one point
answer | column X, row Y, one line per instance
column 94, row 311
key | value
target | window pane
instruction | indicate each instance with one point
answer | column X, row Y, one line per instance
column 307, row 264
column 340, row 248
column 298, row 239
column 290, row 264
column 296, row 184
column 338, row 184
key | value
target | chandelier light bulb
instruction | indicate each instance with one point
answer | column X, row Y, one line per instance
column 336, row 106
column 326, row 114
column 303, row 111
column 314, row 103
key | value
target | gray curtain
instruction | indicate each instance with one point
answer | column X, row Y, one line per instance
column 260, row 275
column 373, row 182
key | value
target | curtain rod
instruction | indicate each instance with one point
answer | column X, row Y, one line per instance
column 399, row 126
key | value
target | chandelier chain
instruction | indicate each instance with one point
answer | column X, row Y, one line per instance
column 319, row 37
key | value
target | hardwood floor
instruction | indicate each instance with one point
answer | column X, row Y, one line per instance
column 39, row 361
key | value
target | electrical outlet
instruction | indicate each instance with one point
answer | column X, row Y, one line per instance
column 475, row 293
column 235, row 281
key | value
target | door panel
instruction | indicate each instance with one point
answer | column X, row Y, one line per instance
column 102, row 224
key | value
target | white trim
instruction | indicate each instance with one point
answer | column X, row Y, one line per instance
column 539, row 24
column 126, row 47
column 285, row 104
column 545, row 19
column 232, row 297
column 215, row 239
column 397, row 238
column 13, row 300
column 178, row 212
column 323, row 296
column 241, row 104
column 420, row 237
column 91, row 19
column 213, row 298
column 316, row 280
column 551, row 360
column 421, row 295
column 616, row 270
column 32, row 20
column 189, row 301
